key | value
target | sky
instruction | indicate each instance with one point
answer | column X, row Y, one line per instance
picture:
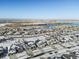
column 39, row 9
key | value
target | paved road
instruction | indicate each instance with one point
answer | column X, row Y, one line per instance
column 13, row 56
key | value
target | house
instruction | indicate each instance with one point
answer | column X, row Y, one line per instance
column 72, row 55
